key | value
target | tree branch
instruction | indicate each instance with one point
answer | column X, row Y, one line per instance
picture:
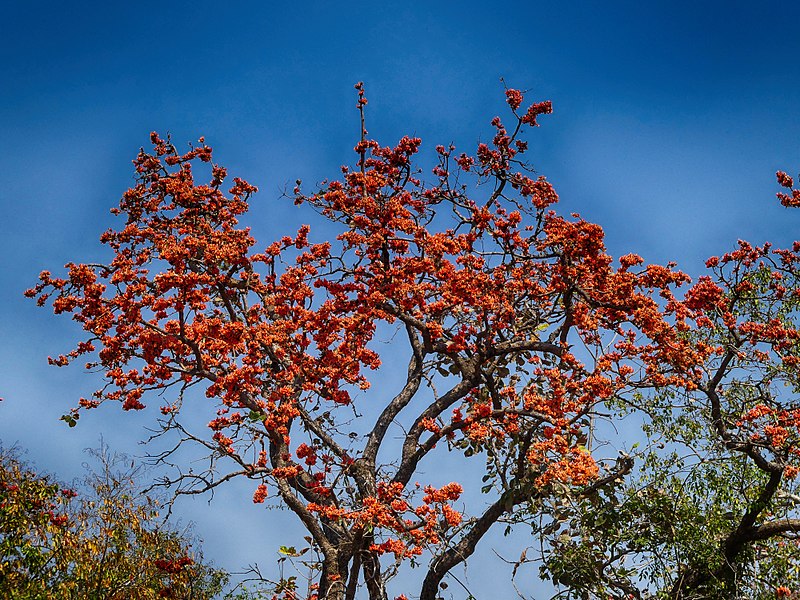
column 399, row 402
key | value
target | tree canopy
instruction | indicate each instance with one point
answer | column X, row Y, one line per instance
column 103, row 539
column 527, row 350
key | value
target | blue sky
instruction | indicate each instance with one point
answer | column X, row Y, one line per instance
column 670, row 119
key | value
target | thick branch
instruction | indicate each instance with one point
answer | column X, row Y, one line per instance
column 309, row 520
column 529, row 345
column 774, row 528
column 745, row 533
column 411, row 457
column 399, row 402
column 720, row 426
column 741, row 536
column 372, row 573
column 463, row 549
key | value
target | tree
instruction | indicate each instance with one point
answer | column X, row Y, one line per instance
column 525, row 344
column 713, row 511
column 104, row 542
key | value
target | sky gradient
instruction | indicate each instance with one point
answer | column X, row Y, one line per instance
column 670, row 120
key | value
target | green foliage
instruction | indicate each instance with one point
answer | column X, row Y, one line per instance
column 639, row 537
column 104, row 541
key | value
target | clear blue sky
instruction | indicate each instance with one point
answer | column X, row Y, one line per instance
column 670, row 120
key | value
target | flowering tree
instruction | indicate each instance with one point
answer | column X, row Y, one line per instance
column 713, row 513
column 103, row 541
column 519, row 334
